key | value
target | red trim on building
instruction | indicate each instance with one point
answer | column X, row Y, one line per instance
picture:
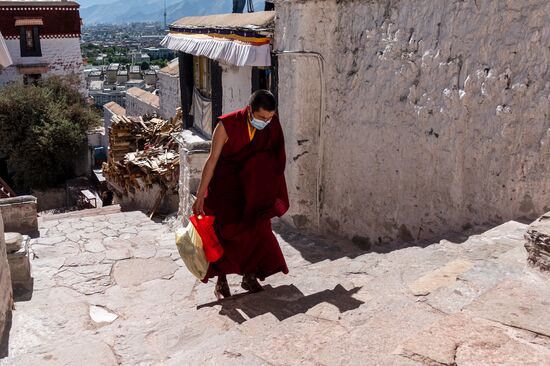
column 61, row 21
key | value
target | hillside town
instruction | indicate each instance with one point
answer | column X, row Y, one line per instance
column 371, row 177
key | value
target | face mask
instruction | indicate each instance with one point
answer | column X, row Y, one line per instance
column 258, row 124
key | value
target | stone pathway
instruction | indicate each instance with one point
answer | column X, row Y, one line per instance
column 109, row 288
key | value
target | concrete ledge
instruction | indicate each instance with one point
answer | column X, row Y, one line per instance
column 538, row 243
column 6, row 292
column 19, row 215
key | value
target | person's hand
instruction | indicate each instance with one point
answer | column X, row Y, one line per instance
column 198, row 206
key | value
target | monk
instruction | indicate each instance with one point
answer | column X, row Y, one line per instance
column 243, row 187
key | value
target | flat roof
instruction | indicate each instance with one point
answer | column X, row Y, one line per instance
column 254, row 20
column 144, row 95
column 172, row 68
column 115, row 108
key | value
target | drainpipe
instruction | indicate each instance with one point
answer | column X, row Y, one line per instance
column 321, row 64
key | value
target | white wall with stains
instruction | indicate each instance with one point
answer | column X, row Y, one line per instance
column 237, row 86
column 410, row 119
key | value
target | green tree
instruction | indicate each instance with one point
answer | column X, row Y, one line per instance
column 42, row 129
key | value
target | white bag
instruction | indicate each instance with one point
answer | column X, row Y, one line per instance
column 189, row 244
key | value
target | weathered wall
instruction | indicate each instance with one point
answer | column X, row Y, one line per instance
column 136, row 106
column 169, row 94
column 237, row 85
column 6, row 294
column 19, row 214
column 434, row 115
column 62, row 55
column 50, row 199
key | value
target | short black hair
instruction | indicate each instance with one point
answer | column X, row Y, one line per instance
column 263, row 99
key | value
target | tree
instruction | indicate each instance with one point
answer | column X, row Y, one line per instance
column 144, row 65
column 42, row 129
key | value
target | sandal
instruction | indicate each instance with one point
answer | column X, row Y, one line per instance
column 250, row 283
column 222, row 289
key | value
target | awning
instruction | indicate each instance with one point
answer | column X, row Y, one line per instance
column 238, row 39
column 20, row 22
column 233, row 52
column 5, row 58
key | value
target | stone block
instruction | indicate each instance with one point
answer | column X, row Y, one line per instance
column 13, row 242
column 20, row 267
column 538, row 243
column 19, row 214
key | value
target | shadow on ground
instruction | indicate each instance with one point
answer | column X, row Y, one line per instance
column 283, row 302
column 316, row 248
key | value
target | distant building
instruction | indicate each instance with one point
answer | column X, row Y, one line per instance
column 150, row 77
column 122, row 76
column 111, row 73
column 140, row 102
column 135, row 73
column 158, row 53
column 135, row 83
column 169, row 89
column 43, row 38
column 101, row 95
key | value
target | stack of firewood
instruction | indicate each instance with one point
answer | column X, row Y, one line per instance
column 143, row 152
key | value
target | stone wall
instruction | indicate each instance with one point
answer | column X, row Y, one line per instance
column 194, row 151
column 139, row 106
column 408, row 119
column 169, row 94
column 19, row 214
column 6, row 294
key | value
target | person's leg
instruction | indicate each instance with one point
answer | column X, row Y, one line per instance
column 222, row 288
column 250, row 283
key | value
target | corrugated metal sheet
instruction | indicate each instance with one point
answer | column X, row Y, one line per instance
column 255, row 20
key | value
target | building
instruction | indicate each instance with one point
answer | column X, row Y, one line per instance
column 135, row 73
column 222, row 59
column 43, row 38
column 402, row 129
column 94, row 75
column 112, row 73
column 150, row 78
column 101, row 94
column 122, row 76
column 109, row 110
column 140, row 102
column 158, row 53
column 169, row 89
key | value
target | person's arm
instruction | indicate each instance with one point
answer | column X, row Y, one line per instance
column 218, row 140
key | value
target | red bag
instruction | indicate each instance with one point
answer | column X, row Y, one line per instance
column 205, row 227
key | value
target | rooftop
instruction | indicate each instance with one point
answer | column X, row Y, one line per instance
column 144, row 96
column 250, row 21
column 171, row 69
column 115, row 108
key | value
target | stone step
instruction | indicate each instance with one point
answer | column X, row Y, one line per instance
column 82, row 213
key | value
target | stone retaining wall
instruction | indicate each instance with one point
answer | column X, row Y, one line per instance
column 19, row 214
column 6, row 295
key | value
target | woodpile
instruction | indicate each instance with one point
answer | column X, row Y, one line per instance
column 143, row 152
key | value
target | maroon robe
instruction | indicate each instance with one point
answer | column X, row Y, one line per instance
column 247, row 190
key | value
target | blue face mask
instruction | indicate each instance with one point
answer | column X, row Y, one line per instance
column 258, row 124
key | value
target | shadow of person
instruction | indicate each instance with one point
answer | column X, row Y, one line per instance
column 284, row 302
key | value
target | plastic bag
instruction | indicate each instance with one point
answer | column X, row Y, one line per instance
column 210, row 243
column 189, row 244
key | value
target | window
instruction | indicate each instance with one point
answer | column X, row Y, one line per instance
column 202, row 75
column 30, row 41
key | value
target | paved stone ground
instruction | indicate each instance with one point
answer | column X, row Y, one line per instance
column 109, row 288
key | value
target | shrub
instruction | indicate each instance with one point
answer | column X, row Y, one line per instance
column 42, row 130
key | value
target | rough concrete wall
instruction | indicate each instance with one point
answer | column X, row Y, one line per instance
column 50, row 199
column 237, row 85
column 19, row 215
column 169, row 94
column 6, row 294
column 145, row 200
column 62, row 55
column 436, row 114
